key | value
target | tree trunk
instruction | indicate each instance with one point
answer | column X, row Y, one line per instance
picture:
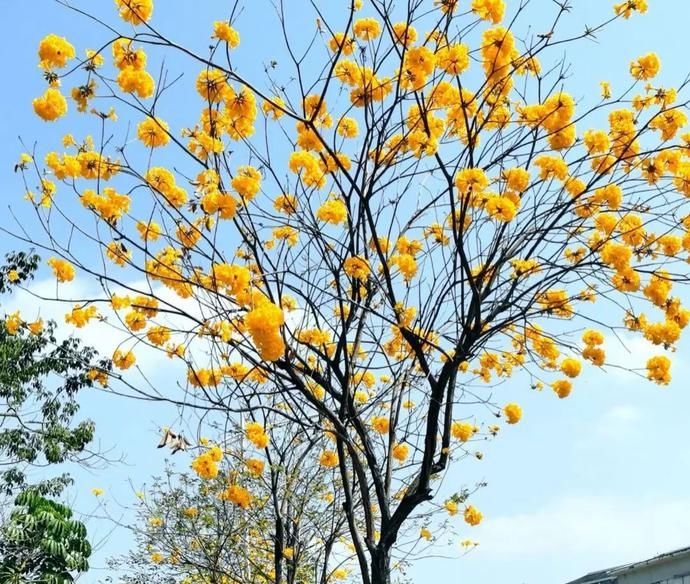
column 380, row 567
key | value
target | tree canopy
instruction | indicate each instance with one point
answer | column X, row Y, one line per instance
column 347, row 253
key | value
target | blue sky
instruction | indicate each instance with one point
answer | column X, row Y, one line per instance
column 595, row 480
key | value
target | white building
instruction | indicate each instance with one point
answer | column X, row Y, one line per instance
column 669, row 568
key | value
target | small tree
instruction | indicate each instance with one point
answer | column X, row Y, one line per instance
column 364, row 242
column 250, row 522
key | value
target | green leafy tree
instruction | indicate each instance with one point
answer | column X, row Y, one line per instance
column 42, row 542
column 40, row 377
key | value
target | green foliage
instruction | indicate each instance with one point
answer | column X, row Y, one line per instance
column 41, row 542
column 40, row 377
column 20, row 263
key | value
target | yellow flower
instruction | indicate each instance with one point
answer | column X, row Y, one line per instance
column 472, row 516
column 35, row 327
column 571, row 367
column 63, row 270
column 153, row 132
column 500, row 208
column 204, row 466
column 562, row 387
column 123, row 360
column 237, row 495
column 54, row 52
column 491, row 10
column 137, row 81
column 357, row 267
column 339, row 574
column 96, row 60
column 627, row 7
column 80, row 317
column 381, row 424
column 605, row 90
column 51, row 105
column 513, row 413
column 463, row 431
column 285, row 203
column 451, row 507
column 255, row 466
column 247, row 182
column 96, row 492
column 347, row 127
column 275, row 108
column 453, row 59
column 332, row 211
column 659, row 369
column 256, row 434
column 135, row 11
column 366, row 29
column 400, row 452
column 645, row 67
column 338, row 42
column 149, row 231
column 224, row 32
column 328, row 459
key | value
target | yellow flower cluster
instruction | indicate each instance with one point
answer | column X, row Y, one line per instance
column 513, row 413
column 163, row 181
column 256, row 434
column 472, row 516
column 659, row 369
column 224, row 32
column 380, row 424
column 206, row 464
column 329, row 459
column 332, row 211
column 63, row 270
column 109, row 206
column 54, row 52
column 463, row 431
column 491, row 10
column 135, row 11
column 645, row 67
column 400, row 452
column 263, row 323
column 133, row 77
column 51, row 105
column 153, row 132
column 357, row 268
column 237, row 495
column 592, row 350
column 123, row 360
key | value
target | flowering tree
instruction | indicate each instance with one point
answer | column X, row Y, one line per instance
column 272, row 523
column 360, row 245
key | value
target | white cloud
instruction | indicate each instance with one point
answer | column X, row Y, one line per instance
column 43, row 300
column 617, row 529
column 618, row 421
column 629, row 352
